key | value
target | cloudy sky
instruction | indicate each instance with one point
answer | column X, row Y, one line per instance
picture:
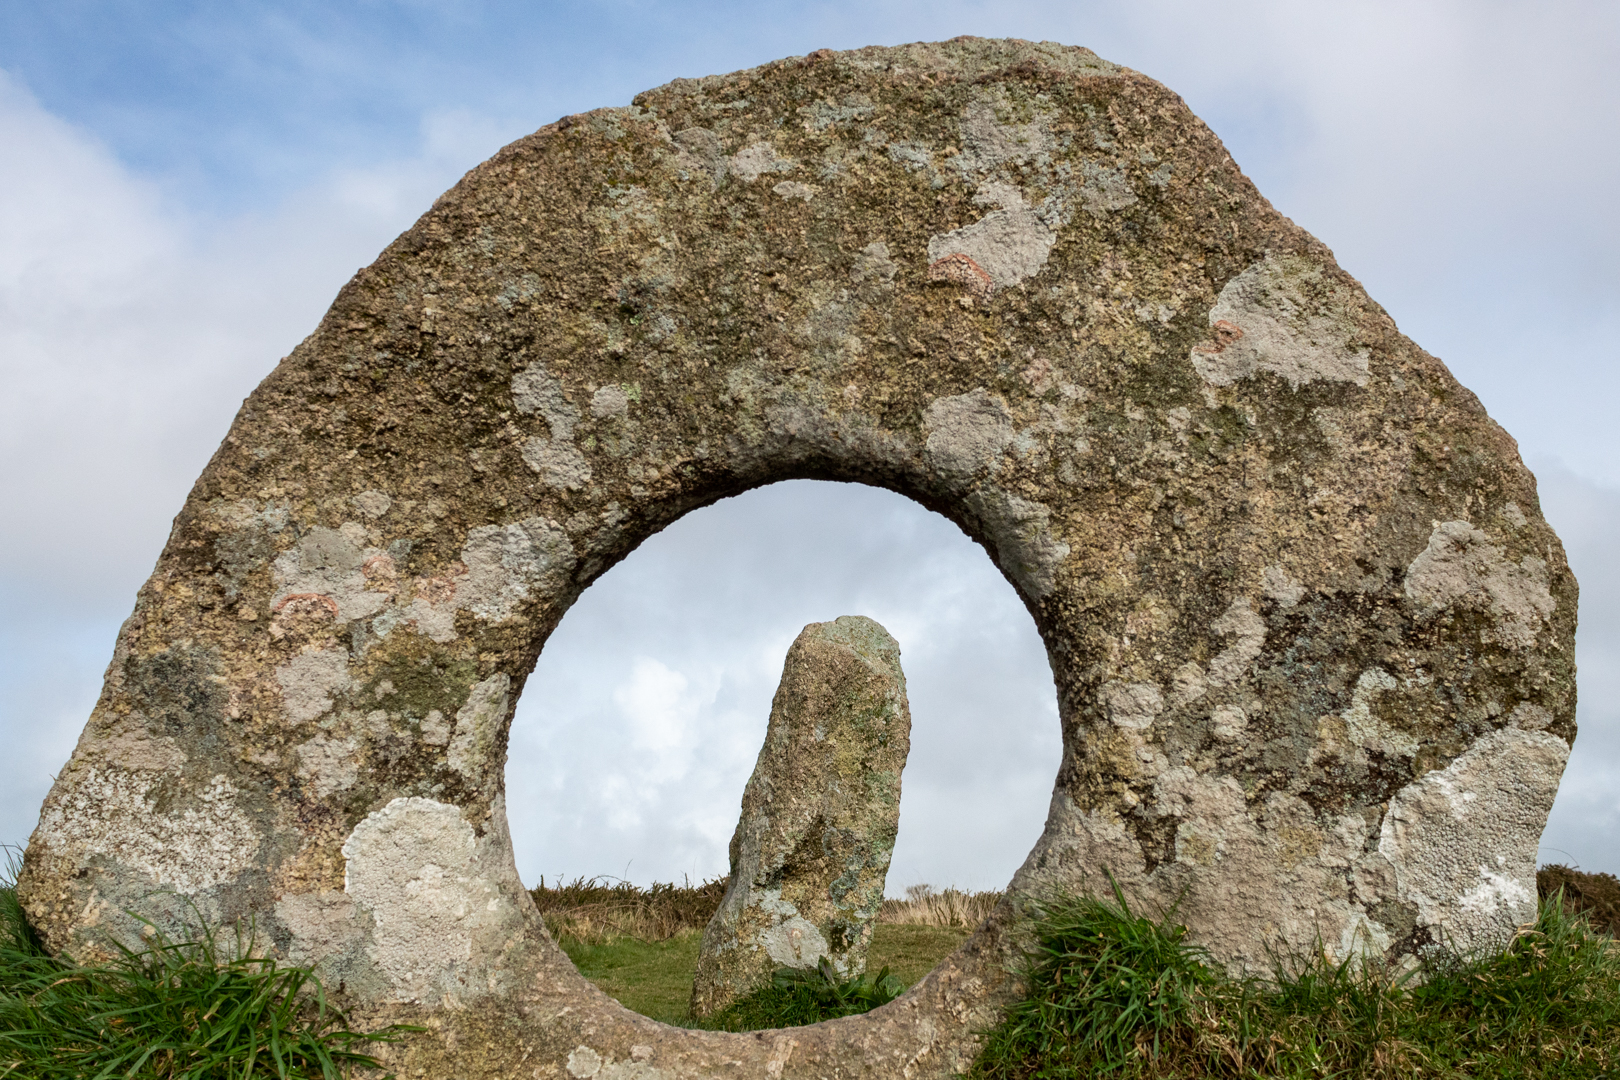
column 184, row 186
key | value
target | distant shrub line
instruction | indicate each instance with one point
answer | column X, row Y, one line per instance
column 601, row 908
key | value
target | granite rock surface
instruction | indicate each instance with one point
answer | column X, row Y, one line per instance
column 1311, row 639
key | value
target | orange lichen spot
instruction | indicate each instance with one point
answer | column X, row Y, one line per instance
column 381, row 573
column 1226, row 333
column 961, row 270
column 307, row 603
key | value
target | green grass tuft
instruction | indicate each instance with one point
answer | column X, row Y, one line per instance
column 798, row 997
column 1114, row 994
column 1106, row 984
column 174, row 1011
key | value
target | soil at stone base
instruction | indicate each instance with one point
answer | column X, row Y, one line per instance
column 1597, row 896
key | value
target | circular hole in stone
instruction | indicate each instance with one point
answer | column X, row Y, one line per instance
column 645, row 714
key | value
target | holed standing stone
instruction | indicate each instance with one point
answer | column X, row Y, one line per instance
column 819, row 816
column 1312, row 641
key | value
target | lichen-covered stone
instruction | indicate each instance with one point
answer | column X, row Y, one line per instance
column 1296, row 589
column 819, row 816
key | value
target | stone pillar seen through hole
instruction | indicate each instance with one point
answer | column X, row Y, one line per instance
column 819, row 816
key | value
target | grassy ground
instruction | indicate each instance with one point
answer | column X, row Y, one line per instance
column 655, row 977
column 641, row 945
column 652, row 977
column 1117, row 995
column 200, row 1010
column 1111, row 994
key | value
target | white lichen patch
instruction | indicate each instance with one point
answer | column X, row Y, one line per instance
column 506, row 564
column 1228, row 722
column 1279, row 585
column 501, row 567
column 967, row 433
column 202, row 841
column 794, row 941
column 820, row 115
column 1188, row 684
column 1132, row 706
column 1461, row 566
column 584, row 1063
column 1367, row 729
column 1462, row 840
column 435, row 729
column 328, row 568
column 329, row 764
column 1104, row 189
column 610, row 402
column 1009, row 244
column 793, row 189
column 554, row 457
column 559, row 464
column 373, row 504
column 755, row 161
column 1020, row 533
column 988, row 141
column 874, row 264
column 311, row 682
column 241, row 515
column 474, row 746
column 412, row 864
column 698, row 150
column 1281, row 315
column 1232, row 663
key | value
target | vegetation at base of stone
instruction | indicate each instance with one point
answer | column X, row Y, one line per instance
column 1597, row 896
column 600, row 909
column 1106, row 985
column 174, row 1011
column 796, row 997
column 1115, row 994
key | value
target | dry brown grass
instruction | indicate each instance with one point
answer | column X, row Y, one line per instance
column 593, row 910
column 949, row 907
column 1597, row 896
column 600, row 909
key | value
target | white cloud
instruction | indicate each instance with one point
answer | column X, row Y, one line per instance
column 129, row 331
column 1584, row 828
column 661, row 708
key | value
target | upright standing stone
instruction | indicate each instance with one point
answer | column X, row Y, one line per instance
column 819, row 816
